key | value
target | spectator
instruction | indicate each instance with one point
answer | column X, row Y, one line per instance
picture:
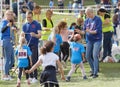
column 32, row 30
column 30, row 5
column 24, row 10
column 107, row 4
column 7, row 29
column 70, row 6
column 61, row 5
column 107, row 30
column 93, row 28
column 14, row 7
column 47, row 25
column 36, row 13
column 48, row 60
column 51, row 4
column 78, row 4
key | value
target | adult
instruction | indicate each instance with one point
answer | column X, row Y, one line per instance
column 32, row 30
column 61, row 5
column 77, row 5
column 107, row 4
column 30, row 5
column 14, row 7
column 93, row 29
column 47, row 25
column 7, row 32
column 107, row 30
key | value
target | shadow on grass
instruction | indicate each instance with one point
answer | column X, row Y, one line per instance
column 110, row 70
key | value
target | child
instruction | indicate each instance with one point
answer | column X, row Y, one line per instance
column 57, row 39
column 77, row 51
column 22, row 53
column 48, row 60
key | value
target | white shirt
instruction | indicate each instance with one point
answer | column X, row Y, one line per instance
column 49, row 59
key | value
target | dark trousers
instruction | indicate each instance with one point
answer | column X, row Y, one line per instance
column 34, row 50
column 51, row 85
column 107, row 44
column 20, row 72
column 49, row 76
column 65, row 50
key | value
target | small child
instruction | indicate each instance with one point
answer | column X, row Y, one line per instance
column 48, row 59
column 77, row 53
column 22, row 52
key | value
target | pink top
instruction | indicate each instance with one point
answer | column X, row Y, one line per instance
column 64, row 34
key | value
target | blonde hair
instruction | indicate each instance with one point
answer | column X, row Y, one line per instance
column 22, row 40
column 54, row 32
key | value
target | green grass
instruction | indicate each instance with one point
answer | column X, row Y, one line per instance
column 46, row 2
column 109, row 76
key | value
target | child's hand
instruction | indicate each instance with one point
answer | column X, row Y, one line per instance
column 63, row 77
column 27, row 71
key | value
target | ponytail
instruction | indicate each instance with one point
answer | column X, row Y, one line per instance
column 47, row 47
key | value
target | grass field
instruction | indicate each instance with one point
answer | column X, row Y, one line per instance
column 46, row 2
column 109, row 76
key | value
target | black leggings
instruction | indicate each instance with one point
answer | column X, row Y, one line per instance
column 65, row 50
column 20, row 72
column 51, row 85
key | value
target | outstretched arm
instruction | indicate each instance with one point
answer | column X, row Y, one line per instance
column 34, row 67
column 61, row 70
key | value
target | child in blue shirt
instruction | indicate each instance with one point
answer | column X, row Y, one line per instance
column 77, row 53
column 22, row 53
column 57, row 39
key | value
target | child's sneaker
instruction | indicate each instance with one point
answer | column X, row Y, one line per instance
column 84, row 77
column 68, row 79
column 28, row 82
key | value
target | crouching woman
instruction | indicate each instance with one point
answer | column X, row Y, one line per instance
column 48, row 60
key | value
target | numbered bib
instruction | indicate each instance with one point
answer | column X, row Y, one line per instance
column 22, row 53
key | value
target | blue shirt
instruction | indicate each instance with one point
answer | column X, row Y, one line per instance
column 93, row 24
column 22, row 56
column 31, row 27
column 58, row 41
column 6, row 34
column 76, row 51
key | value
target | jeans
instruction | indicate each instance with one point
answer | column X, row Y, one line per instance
column 8, row 53
column 92, row 53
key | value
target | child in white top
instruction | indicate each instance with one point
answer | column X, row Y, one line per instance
column 48, row 60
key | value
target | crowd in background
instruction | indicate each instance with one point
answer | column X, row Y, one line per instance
column 93, row 29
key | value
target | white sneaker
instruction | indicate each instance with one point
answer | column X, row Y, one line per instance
column 6, row 78
column 10, row 78
column 34, row 80
column 30, row 79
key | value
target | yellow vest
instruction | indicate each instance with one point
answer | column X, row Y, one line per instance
column 45, row 34
column 107, row 28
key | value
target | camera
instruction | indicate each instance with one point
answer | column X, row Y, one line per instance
column 11, row 21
